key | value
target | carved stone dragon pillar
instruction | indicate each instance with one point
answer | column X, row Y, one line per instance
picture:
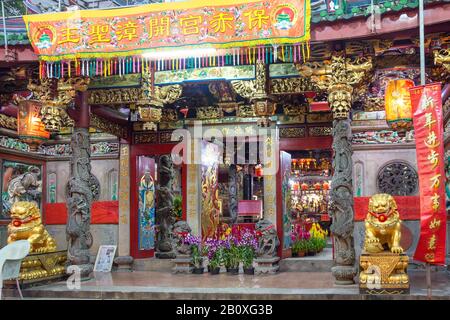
column 339, row 79
column 79, row 191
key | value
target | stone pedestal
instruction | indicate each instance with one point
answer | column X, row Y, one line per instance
column 123, row 263
column 383, row 273
column 267, row 265
column 183, row 264
column 165, row 255
column 41, row 268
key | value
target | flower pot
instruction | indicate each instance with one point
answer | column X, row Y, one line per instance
column 301, row 253
column 197, row 270
column 249, row 271
column 233, row 271
column 294, row 254
column 214, row 271
column 311, row 253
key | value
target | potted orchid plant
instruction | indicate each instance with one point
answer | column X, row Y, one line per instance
column 215, row 253
column 300, row 244
column 232, row 255
column 248, row 247
column 194, row 243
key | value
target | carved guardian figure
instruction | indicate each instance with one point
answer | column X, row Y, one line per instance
column 382, row 225
column 180, row 230
column 382, row 263
column 26, row 224
column 268, row 241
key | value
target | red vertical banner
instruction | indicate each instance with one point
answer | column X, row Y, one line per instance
column 429, row 134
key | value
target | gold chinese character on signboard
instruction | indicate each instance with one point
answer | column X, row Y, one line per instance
column 429, row 121
column 436, row 223
column 257, row 18
column 431, row 141
column 433, row 157
column 221, row 21
column 435, row 202
column 127, row 30
column 432, row 242
column 429, row 257
column 159, row 27
column 435, row 183
column 99, row 33
column 69, row 35
column 190, row 24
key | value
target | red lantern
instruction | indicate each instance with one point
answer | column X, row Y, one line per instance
column 326, row 185
column 258, row 171
column 304, row 186
column 398, row 104
column 317, row 186
column 29, row 125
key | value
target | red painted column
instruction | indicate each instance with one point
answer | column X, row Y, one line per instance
column 83, row 115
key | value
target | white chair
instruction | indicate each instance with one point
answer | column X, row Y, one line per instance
column 10, row 260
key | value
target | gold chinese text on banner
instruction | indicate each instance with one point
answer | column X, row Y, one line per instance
column 428, row 127
column 218, row 24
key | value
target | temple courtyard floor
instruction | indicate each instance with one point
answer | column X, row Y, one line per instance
column 284, row 285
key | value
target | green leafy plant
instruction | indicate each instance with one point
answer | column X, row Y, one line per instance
column 217, row 258
column 178, row 206
column 247, row 256
column 232, row 256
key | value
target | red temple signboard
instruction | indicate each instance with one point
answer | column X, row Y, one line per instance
column 131, row 31
column 428, row 126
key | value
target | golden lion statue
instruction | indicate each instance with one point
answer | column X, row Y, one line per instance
column 26, row 224
column 383, row 225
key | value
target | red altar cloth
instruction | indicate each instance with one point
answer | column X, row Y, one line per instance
column 408, row 207
column 103, row 212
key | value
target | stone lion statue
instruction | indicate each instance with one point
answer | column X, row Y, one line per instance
column 26, row 224
column 180, row 230
column 268, row 241
column 383, row 225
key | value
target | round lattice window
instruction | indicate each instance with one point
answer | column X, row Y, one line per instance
column 397, row 179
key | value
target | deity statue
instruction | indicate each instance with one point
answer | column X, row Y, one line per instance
column 26, row 224
column 383, row 263
column 26, row 186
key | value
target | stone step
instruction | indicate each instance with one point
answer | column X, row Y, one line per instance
column 321, row 262
column 153, row 264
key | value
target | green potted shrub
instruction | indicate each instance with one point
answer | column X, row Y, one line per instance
column 311, row 247
column 302, row 247
column 295, row 248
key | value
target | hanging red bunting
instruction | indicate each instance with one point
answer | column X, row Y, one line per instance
column 428, row 127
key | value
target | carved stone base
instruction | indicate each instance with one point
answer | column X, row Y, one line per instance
column 383, row 273
column 165, row 255
column 344, row 275
column 123, row 263
column 85, row 271
column 183, row 264
column 267, row 265
column 43, row 267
